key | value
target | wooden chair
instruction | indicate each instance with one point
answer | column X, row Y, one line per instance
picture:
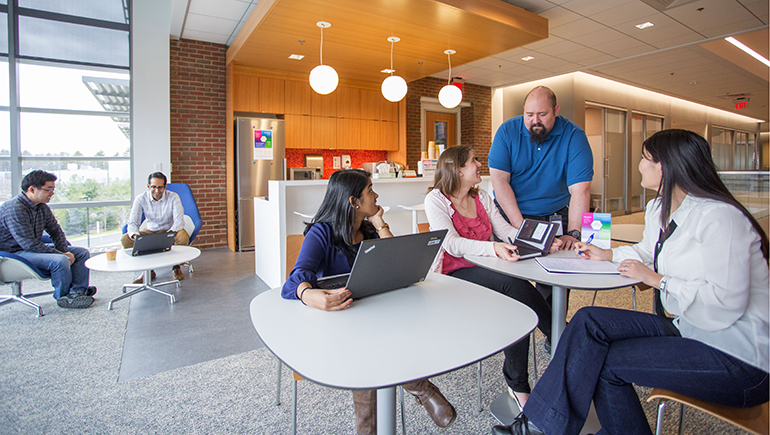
column 754, row 420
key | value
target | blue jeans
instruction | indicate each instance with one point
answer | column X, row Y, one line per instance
column 65, row 278
column 603, row 351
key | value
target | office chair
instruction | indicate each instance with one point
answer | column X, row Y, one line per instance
column 14, row 270
column 753, row 420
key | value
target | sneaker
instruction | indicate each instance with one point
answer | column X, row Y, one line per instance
column 520, row 426
column 75, row 300
column 177, row 273
column 90, row 291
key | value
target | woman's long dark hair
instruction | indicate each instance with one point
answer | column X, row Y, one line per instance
column 337, row 210
column 447, row 178
column 685, row 160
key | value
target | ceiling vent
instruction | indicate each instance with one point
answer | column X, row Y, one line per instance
column 664, row 5
column 734, row 96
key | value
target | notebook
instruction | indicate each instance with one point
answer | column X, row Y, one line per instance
column 153, row 243
column 535, row 238
column 383, row 265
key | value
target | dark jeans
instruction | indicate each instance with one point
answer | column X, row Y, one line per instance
column 65, row 277
column 516, row 355
column 544, row 290
column 603, row 351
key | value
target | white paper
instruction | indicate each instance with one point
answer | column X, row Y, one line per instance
column 577, row 265
column 539, row 231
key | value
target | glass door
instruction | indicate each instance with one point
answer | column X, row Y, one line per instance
column 614, row 160
column 642, row 127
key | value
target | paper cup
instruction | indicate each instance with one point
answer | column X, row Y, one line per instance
column 111, row 254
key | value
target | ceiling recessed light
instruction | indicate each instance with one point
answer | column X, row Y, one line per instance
column 748, row 51
column 388, row 71
column 527, row 58
column 644, row 25
column 297, row 56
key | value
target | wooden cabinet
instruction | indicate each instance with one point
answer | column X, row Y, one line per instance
column 271, row 95
column 298, row 131
column 375, row 106
column 297, row 97
column 389, row 136
column 349, row 134
column 245, row 93
column 323, row 105
column 348, row 102
column 324, row 132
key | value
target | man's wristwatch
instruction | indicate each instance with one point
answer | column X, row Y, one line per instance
column 575, row 234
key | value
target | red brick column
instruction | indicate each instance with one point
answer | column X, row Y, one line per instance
column 198, row 132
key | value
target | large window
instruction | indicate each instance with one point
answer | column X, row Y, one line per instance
column 733, row 150
column 65, row 108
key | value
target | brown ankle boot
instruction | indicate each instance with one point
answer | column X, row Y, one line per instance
column 365, row 405
column 440, row 410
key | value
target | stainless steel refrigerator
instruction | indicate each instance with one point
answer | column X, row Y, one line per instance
column 260, row 155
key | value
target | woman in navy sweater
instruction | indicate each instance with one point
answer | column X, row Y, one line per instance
column 348, row 215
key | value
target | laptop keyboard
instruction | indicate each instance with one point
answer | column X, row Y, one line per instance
column 332, row 282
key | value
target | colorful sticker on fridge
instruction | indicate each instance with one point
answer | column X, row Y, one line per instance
column 263, row 145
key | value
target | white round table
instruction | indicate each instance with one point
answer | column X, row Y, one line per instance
column 124, row 262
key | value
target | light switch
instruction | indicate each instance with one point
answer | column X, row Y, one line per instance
column 336, row 162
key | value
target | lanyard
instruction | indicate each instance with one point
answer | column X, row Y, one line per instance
column 659, row 310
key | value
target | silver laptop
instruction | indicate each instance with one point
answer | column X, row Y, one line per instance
column 383, row 265
column 153, row 243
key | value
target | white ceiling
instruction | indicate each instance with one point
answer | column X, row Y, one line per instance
column 594, row 36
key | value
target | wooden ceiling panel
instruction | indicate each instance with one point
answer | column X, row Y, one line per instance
column 356, row 44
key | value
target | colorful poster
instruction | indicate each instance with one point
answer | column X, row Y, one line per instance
column 596, row 225
column 263, row 144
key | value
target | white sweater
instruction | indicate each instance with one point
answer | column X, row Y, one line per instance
column 718, row 280
column 439, row 210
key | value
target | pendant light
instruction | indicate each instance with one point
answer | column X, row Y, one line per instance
column 323, row 78
column 450, row 95
column 393, row 87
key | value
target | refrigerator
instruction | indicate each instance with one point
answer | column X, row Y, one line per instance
column 260, row 155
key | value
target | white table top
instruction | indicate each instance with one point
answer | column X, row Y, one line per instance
column 126, row 263
column 628, row 233
column 417, row 207
column 529, row 269
column 437, row 326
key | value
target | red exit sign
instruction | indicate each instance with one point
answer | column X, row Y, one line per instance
column 741, row 105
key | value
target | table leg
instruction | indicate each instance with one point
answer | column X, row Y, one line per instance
column 140, row 288
column 415, row 229
column 558, row 315
column 386, row 411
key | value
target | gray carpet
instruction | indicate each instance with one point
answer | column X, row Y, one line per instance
column 59, row 374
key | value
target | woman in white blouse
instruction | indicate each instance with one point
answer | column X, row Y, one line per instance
column 469, row 214
column 707, row 259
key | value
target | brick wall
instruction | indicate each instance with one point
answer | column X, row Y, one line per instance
column 476, row 120
column 198, row 132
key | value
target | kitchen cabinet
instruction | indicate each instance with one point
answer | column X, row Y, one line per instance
column 323, row 105
column 271, row 95
column 324, row 132
column 348, row 102
column 375, row 106
column 349, row 134
column 297, row 97
column 298, row 131
column 379, row 135
column 245, row 93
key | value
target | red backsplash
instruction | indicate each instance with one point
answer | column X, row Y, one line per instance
column 295, row 158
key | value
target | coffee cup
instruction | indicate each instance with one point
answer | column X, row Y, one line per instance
column 111, row 254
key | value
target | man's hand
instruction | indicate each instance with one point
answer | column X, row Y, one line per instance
column 70, row 256
column 567, row 242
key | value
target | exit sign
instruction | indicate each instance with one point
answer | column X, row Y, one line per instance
column 741, row 104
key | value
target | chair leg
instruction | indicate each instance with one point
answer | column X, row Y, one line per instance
column 659, row 425
column 593, row 301
column 681, row 419
column 278, row 387
column 533, row 346
column 478, row 381
column 17, row 296
column 633, row 295
column 403, row 418
column 294, row 406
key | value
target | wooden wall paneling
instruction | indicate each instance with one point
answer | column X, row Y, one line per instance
column 370, row 104
column 388, row 111
column 297, row 97
column 230, row 155
column 245, row 93
column 271, row 95
column 298, row 131
column 323, row 105
column 349, row 134
column 324, row 132
column 389, row 135
column 371, row 134
column 348, row 102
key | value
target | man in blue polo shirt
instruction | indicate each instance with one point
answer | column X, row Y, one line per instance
column 541, row 167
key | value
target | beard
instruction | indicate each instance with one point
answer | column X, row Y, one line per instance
column 539, row 136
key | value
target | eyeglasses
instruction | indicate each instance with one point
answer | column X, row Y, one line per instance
column 158, row 187
column 48, row 190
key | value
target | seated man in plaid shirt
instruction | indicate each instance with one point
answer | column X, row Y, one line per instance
column 22, row 221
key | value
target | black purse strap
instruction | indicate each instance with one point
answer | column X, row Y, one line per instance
column 659, row 310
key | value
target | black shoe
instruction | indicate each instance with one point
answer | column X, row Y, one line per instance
column 75, row 300
column 90, row 291
column 520, row 426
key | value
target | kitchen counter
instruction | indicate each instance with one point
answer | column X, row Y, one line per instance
column 275, row 218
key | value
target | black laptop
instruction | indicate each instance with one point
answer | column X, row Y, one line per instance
column 388, row 264
column 153, row 243
column 535, row 238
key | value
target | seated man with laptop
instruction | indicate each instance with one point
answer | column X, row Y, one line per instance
column 348, row 216
column 163, row 213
